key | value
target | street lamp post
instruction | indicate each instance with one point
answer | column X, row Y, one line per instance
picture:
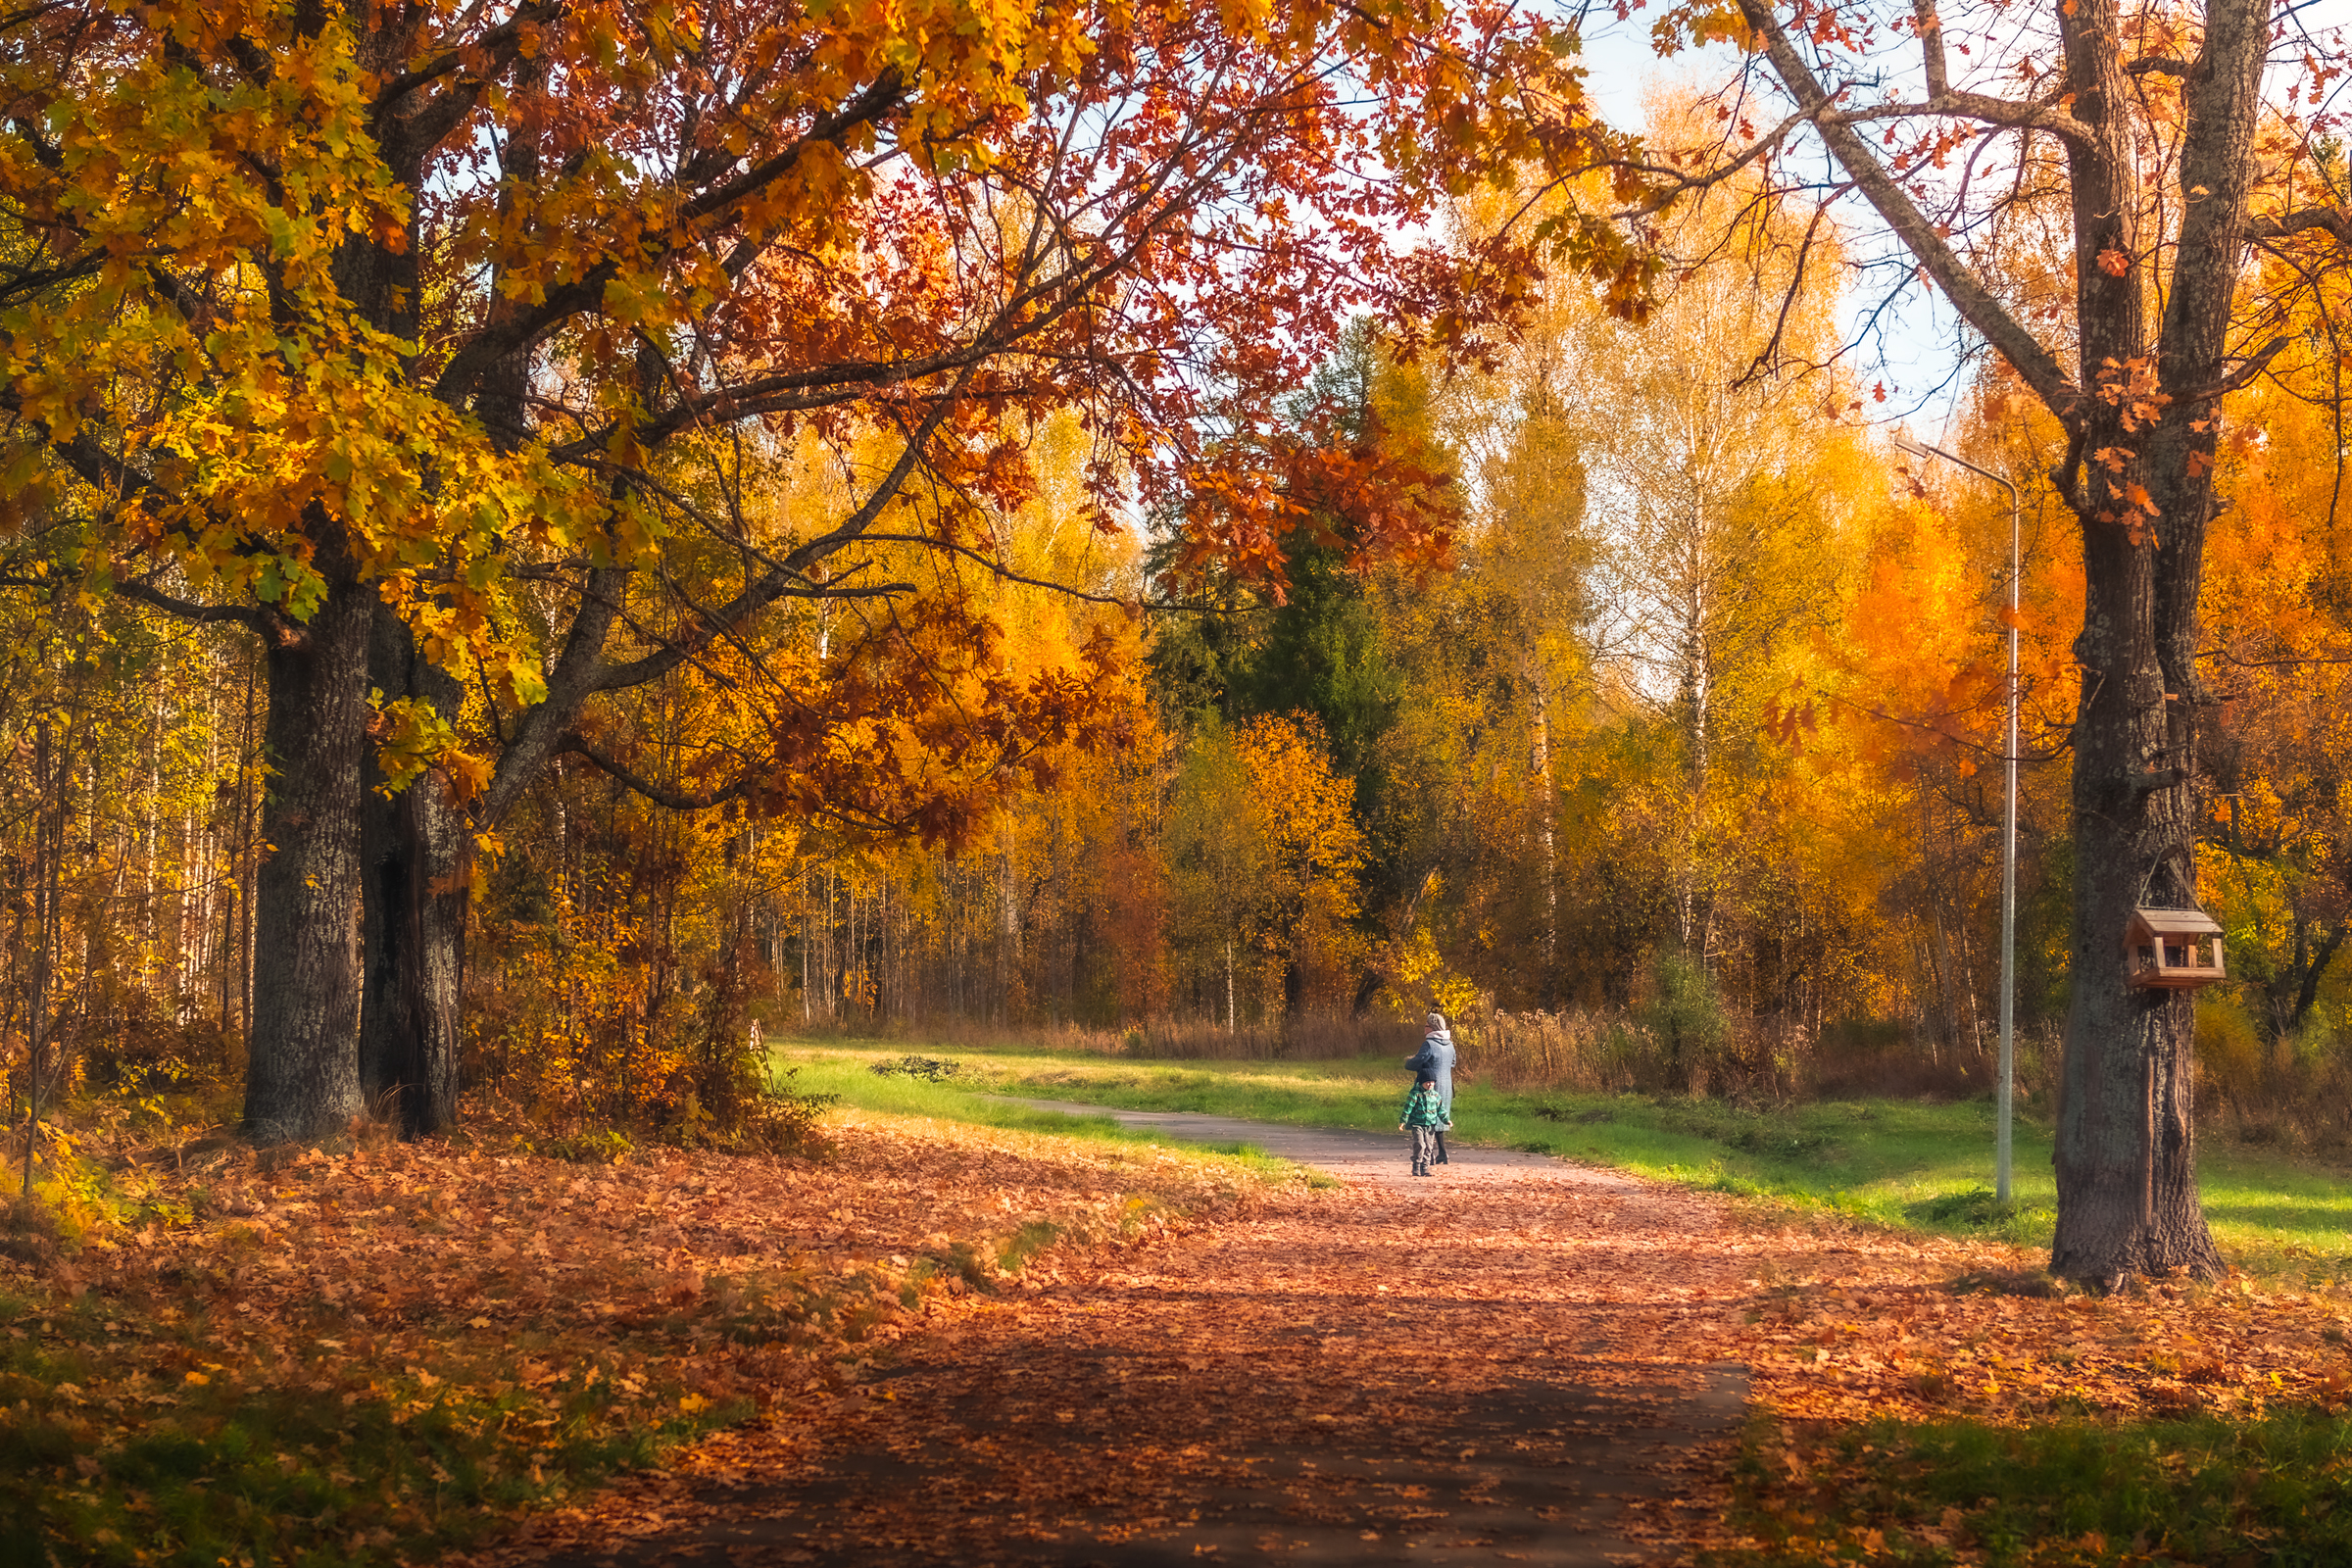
column 2003, row 1099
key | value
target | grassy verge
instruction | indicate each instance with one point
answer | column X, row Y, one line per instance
column 1904, row 1163
column 975, row 1094
column 2272, row 1490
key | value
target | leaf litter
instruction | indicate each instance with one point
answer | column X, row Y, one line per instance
column 1304, row 1375
column 1480, row 1371
column 1240, row 1363
column 362, row 1354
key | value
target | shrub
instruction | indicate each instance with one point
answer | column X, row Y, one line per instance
column 931, row 1069
column 1688, row 1017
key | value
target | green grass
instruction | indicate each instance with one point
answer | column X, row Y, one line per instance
column 973, row 1097
column 2275, row 1490
column 1897, row 1162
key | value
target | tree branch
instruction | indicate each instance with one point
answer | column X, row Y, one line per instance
column 885, row 93
column 786, row 392
column 2006, row 113
column 998, row 570
column 575, row 745
column 188, row 609
column 2251, row 368
column 1975, row 302
column 771, row 584
column 403, row 136
column 1930, row 28
column 496, row 342
column 2301, row 222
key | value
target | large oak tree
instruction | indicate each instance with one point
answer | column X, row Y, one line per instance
column 370, row 326
column 2087, row 184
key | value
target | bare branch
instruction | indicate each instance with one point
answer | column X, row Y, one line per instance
column 2253, row 366
column 1975, row 302
column 998, row 570
column 2303, row 220
column 2008, row 113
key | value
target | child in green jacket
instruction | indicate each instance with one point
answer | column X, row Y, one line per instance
column 1424, row 1115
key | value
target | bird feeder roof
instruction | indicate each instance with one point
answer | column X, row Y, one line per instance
column 2177, row 922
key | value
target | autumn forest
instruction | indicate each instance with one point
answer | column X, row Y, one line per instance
column 568, row 568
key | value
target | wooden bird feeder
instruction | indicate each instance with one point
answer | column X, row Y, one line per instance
column 2173, row 950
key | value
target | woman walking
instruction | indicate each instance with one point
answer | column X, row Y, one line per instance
column 1435, row 1061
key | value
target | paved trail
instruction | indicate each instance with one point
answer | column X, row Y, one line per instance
column 1508, row 1362
column 1355, row 1156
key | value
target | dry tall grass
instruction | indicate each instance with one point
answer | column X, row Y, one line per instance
column 2289, row 1089
column 1311, row 1039
column 1637, row 1050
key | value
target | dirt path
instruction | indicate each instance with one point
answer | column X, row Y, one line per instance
column 1351, row 1156
column 1513, row 1361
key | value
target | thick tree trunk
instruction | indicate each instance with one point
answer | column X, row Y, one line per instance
column 301, row 1076
column 303, row 1079
column 417, row 849
column 2126, row 1152
column 2143, row 412
column 2126, row 1155
column 2126, row 1158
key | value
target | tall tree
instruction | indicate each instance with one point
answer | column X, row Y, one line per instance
column 2136, row 140
column 315, row 311
column 1359, row 455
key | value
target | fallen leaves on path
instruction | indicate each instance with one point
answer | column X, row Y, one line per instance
column 1492, row 1369
column 1476, row 1368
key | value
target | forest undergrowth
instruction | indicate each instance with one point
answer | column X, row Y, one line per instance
column 246, row 1356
